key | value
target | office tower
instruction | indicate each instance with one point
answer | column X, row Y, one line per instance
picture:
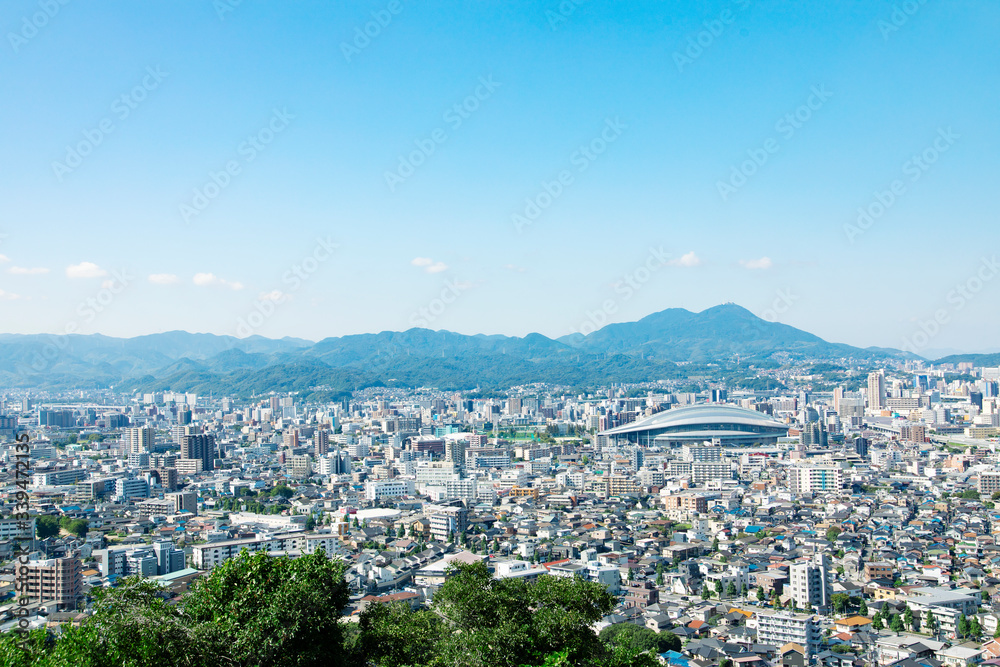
column 838, row 394
column 876, row 390
column 291, row 438
column 200, row 447
column 184, row 415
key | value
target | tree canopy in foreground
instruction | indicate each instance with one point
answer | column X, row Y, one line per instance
column 261, row 611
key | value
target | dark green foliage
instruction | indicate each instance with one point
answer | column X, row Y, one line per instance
column 896, row 623
column 46, row 526
column 275, row 611
column 639, row 638
column 131, row 625
column 499, row 622
column 975, row 628
column 251, row 610
column 260, row 611
column 390, row 635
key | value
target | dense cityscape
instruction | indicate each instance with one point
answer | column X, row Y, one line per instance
column 547, row 333
column 844, row 527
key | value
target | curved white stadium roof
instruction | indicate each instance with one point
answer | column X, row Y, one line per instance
column 699, row 415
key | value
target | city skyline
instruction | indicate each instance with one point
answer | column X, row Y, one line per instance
column 528, row 165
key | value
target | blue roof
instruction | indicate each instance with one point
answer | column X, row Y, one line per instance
column 753, row 529
column 675, row 658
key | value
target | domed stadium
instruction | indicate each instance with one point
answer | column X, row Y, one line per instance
column 727, row 425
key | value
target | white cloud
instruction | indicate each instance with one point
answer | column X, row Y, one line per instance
column 687, row 260
column 515, row 268
column 4, row 258
column 762, row 263
column 27, row 271
column 85, row 270
column 209, row 279
column 163, row 278
column 429, row 265
column 204, row 279
column 275, row 295
column 8, row 296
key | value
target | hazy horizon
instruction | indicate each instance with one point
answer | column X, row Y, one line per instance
column 930, row 353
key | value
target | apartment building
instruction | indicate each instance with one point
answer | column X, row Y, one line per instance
column 447, row 521
column 705, row 471
column 621, row 485
column 989, row 482
column 207, row 556
column 780, row 627
column 53, row 580
column 815, row 479
column 810, row 583
column 691, row 502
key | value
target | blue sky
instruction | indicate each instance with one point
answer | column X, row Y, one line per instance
column 639, row 222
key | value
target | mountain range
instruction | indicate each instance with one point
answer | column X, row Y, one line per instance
column 671, row 344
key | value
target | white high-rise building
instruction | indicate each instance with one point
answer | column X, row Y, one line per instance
column 810, row 583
